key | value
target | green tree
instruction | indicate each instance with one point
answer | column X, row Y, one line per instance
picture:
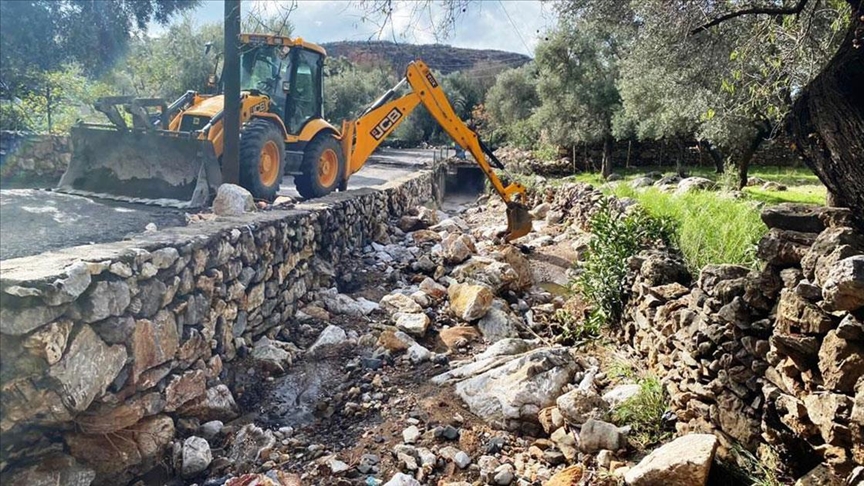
column 169, row 65
column 511, row 102
column 577, row 69
column 348, row 89
column 42, row 35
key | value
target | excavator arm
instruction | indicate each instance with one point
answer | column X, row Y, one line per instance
column 362, row 136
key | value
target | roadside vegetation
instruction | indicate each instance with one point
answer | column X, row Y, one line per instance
column 617, row 236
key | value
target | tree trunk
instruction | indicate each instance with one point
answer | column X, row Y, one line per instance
column 762, row 131
column 679, row 160
column 716, row 155
column 827, row 121
column 606, row 167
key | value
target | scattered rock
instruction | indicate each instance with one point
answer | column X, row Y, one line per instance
column 249, row 442
column 516, row 390
column 497, row 324
column 469, row 302
column 458, row 336
column 578, row 406
column 400, row 303
column 415, row 324
column 686, row 461
column 274, row 356
column 196, row 456
column 456, row 248
column 402, row 479
column 570, row 476
column 596, row 435
column 232, row 200
column 342, row 304
column 330, row 336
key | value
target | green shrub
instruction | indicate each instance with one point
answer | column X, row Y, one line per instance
column 644, row 412
column 617, row 236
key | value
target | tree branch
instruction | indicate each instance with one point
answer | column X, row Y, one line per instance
column 751, row 11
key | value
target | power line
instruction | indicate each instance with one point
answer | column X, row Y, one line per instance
column 527, row 49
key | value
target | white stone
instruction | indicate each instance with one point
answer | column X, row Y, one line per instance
column 686, row 461
column 232, row 200
column 196, row 456
column 330, row 336
column 415, row 324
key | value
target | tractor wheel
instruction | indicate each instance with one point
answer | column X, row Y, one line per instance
column 262, row 158
column 323, row 167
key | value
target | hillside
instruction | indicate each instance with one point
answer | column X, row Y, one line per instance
column 440, row 57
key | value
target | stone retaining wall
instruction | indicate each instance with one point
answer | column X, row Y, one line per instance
column 773, row 356
column 106, row 347
column 30, row 157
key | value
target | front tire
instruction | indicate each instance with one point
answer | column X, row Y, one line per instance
column 262, row 159
column 323, row 168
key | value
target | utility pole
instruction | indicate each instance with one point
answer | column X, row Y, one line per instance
column 231, row 75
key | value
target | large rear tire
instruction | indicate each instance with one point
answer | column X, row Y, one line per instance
column 262, row 158
column 323, row 168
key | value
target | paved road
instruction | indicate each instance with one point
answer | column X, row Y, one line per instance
column 33, row 221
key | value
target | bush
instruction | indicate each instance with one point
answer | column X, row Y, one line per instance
column 617, row 236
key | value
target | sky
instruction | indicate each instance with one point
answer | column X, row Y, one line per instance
column 508, row 25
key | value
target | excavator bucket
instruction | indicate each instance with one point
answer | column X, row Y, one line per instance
column 518, row 221
column 146, row 166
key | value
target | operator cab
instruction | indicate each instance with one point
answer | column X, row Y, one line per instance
column 289, row 71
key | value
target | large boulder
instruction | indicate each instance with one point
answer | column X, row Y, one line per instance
column 695, row 184
column 806, row 218
column 469, row 302
column 232, row 200
column 520, row 386
column 844, row 287
column 783, row 247
column 686, row 461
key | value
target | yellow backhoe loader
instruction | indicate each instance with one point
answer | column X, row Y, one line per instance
column 171, row 153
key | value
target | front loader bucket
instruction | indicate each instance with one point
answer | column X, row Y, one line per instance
column 141, row 166
column 518, row 221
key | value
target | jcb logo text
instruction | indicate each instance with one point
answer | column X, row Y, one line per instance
column 385, row 124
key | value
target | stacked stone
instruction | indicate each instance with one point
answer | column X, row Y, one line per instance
column 814, row 389
column 102, row 357
column 704, row 342
column 36, row 157
column 772, row 356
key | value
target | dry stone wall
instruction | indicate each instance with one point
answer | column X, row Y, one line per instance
column 29, row 157
column 104, row 348
column 770, row 356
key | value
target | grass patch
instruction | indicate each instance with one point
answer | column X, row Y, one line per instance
column 710, row 228
column 644, row 413
column 802, row 185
